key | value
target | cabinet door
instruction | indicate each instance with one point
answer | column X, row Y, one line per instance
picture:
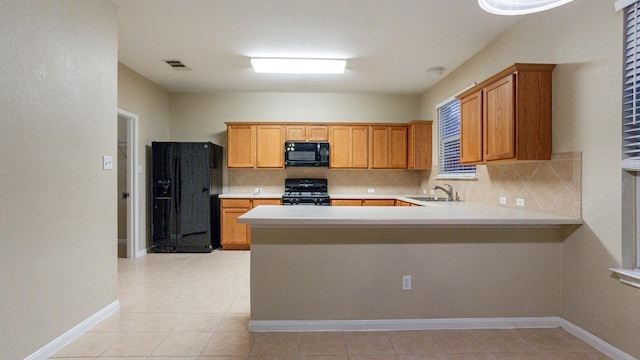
column 241, row 146
column 471, row 129
column 270, row 146
column 379, row 147
column 499, row 120
column 296, row 132
column 419, row 141
column 359, row 140
column 398, row 147
column 235, row 236
column 339, row 146
column 317, row 133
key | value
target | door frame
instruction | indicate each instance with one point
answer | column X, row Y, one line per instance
column 133, row 208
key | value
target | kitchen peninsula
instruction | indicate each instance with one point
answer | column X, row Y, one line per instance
column 330, row 268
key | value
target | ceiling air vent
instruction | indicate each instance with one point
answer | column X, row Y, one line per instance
column 177, row 65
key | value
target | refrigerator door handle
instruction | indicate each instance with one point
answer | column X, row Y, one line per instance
column 179, row 187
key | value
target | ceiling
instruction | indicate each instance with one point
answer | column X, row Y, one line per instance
column 389, row 44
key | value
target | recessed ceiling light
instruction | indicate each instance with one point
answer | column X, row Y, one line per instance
column 298, row 66
column 519, row 7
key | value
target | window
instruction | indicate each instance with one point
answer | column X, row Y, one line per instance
column 449, row 142
column 630, row 274
column 631, row 90
column 631, row 129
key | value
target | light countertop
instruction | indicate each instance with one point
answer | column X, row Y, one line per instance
column 448, row 214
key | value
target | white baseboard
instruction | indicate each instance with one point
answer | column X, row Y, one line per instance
column 404, row 324
column 141, row 253
column 440, row 324
column 74, row 333
column 595, row 342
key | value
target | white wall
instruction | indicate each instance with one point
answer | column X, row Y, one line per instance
column 201, row 117
column 58, row 95
column 142, row 97
column 585, row 39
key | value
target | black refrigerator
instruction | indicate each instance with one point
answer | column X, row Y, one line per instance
column 186, row 182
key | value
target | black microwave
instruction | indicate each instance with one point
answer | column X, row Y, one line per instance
column 313, row 154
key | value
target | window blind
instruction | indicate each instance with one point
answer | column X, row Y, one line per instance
column 449, row 141
column 631, row 90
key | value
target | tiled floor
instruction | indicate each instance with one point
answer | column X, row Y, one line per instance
column 196, row 306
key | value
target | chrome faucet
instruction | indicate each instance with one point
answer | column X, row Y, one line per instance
column 448, row 191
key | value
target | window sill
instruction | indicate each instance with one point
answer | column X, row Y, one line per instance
column 628, row 276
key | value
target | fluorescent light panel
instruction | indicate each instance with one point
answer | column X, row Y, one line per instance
column 519, row 7
column 298, row 66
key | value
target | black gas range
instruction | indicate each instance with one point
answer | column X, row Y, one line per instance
column 301, row 191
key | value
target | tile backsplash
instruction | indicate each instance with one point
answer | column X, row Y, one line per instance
column 340, row 181
column 552, row 187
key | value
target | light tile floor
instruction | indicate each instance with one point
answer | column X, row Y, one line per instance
column 196, row 306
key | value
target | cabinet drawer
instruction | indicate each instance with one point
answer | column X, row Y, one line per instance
column 346, row 202
column 379, row 202
column 236, row 203
column 257, row 202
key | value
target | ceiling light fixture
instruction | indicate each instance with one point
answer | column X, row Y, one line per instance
column 435, row 72
column 519, row 7
column 298, row 66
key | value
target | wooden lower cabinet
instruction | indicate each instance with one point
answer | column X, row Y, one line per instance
column 403, row 203
column 346, row 202
column 379, row 202
column 236, row 236
column 363, row 202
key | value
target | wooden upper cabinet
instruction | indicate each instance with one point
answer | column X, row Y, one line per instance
column 270, row 146
column 241, row 146
column 498, row 129
column 348, row 146
column 301, row 132
column 317, row 133
column 296, row 132
column 516, row 116
column 255, row 145
column 388, row 147
column 471, row 129
column 419, row 145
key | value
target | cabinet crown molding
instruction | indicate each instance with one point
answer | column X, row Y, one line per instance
column 517, row 67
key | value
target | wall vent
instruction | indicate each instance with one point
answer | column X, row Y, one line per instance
column 177, row 65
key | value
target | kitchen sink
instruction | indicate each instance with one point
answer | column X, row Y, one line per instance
column 429, row 198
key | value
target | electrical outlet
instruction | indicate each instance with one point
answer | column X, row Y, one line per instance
column 519, row 202
column 503, row 200
column 371, row 190
column 406, row 282
column 424, row 191
column 107, row 162
column 257, row 190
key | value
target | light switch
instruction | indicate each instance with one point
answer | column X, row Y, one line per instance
column 107, row 162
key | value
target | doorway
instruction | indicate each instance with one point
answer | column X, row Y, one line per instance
column 128, row 197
